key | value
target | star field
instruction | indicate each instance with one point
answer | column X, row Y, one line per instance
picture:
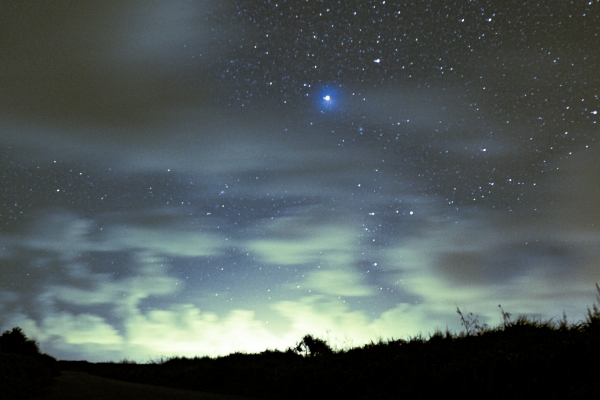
column 197, row 178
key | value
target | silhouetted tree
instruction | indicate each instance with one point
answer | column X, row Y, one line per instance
column 16, row 342
column 312, row 347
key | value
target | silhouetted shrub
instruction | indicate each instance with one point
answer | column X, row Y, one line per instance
column 16, row 342
column 24, row 371
column 312, row 347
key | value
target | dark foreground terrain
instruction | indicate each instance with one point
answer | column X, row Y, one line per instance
column 519, row 359
column 73, row 385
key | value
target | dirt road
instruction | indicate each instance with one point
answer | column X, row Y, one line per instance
column 78, row 386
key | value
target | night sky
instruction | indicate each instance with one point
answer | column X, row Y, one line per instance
column 188, row 177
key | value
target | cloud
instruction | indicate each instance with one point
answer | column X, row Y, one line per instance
column 158, row 29
column 573, row 190
column 113, row 70
column 60, row 232
column 71, row 235
column 338, row 283
column 320, row 314
column 127, row 291
column 406, row 106
column 163, row 241
column 184, row 330
column 524, row 261
column 312, row 237
column 332, row 319
column 424, row 114
column 87, row 329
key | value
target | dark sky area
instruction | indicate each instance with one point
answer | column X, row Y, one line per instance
column 194, row 177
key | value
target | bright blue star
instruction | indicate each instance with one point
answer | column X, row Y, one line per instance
column 328, row 99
